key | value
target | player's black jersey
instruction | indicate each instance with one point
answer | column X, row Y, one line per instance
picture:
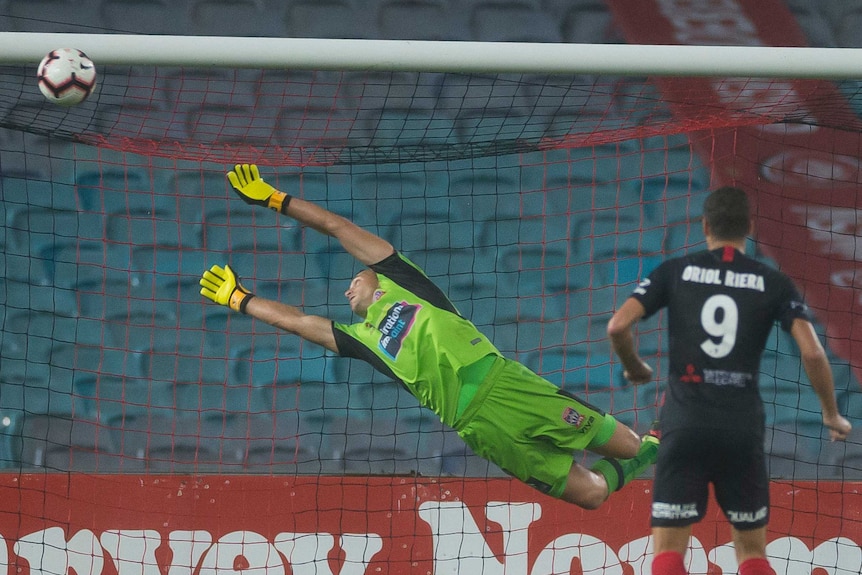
column 722, row 306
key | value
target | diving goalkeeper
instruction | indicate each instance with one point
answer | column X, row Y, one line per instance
column 411, row 332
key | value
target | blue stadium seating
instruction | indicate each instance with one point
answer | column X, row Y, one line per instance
column 99, row 306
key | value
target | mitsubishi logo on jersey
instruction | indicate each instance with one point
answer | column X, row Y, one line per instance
column 690, row 375
column 395, row 327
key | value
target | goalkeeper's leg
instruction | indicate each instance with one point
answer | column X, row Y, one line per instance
column 589, row 488
column 619, row 472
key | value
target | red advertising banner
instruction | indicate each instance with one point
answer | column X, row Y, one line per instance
column 799, row 155
column 59, row 524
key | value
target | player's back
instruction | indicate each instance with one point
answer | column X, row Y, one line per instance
column 722, row 306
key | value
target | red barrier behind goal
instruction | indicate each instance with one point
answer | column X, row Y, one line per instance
column 106, row 525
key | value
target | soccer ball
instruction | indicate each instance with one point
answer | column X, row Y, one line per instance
column 66, row 76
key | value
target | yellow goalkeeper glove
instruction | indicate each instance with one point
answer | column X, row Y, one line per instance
column 250, row 187
column 221, row 285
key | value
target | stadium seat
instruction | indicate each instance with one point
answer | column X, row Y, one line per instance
column 114, row 191
column 74, row 264
column 114, row 396
column 266, row 358
column 325, row 19
column 159, row 265
column 324, row 431
column 32, row 229
column 792, row 456
column 10, row 428
column 25, row 269
column 203, row 192
column 317, row 399
column 153, row 227
column 847, row 21
column 418, row 20
column 512, row 22
column 41, row 298
column 311, row 183
column 35, row 387
column 149, row 16
column 252, row 17
column 173, row 443
column 246, row 230
column 204, row 396
column 66, row 15
column 588, row 22
column 683, row 237
column 815, row 24
column 274, row 444
column 224, row 331
column 381, row 445
column 184, row 364
column 61, row 442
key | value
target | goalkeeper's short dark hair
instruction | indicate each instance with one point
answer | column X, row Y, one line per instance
column 728, row 213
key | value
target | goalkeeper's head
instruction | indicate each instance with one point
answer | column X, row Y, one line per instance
column 362, row 292
column 727, row 215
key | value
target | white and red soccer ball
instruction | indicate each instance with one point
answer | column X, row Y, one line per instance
column 66, row 76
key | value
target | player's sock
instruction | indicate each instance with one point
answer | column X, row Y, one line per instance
column 646, row 456
column 610, row 469
column 756, row 566
column 669, row 563
column 618, row 472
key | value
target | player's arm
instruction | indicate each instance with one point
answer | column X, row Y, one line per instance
column 819, row 372
column 365, row 246
column 636, row 370
column 222, row 286
column 361, row 244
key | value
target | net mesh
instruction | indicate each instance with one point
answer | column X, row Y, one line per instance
column 535, row 202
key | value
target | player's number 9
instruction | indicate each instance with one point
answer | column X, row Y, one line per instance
column 723, row 329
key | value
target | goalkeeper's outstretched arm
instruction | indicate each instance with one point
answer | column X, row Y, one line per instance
column 313, row 328
column 222, row 286
column 366, row 247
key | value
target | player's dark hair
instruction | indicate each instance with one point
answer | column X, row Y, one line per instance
column 728, row 214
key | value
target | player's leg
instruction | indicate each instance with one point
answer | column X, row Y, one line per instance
column 589, row 488
column 585, row 488
column 669, row 547
column 615, row 440
column 680, row 497
column 530, row 428
column 750, row 546
column 742, row 492
column 627, row 456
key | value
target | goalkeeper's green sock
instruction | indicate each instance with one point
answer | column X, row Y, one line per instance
column 619, row 472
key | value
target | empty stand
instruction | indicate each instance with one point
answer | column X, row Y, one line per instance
column 418, row 20
column 277, row 444
column 146, row 16
column 326, row 19
column 512, row 22
column 61, row 442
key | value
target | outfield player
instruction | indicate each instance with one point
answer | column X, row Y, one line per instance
column 410, row 331
column 721, row 306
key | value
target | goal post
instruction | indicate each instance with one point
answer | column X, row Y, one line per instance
column 441, row 56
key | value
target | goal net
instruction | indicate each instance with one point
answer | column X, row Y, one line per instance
column 535, row 200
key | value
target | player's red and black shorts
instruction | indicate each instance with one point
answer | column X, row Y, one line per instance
column 732, row 460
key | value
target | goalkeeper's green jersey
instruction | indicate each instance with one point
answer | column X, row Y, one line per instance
column 414, row 334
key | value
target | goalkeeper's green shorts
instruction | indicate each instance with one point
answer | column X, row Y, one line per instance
column 529, row 427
